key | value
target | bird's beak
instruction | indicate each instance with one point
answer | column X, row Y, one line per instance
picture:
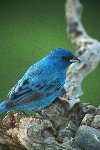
column 74, row 60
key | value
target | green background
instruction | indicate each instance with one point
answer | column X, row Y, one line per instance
column 30, row 29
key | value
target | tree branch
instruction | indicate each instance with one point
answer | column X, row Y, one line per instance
column 88, row 50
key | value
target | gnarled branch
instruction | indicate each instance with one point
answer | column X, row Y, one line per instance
column 88, row 50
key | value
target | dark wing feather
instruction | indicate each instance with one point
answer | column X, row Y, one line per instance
column 25, row 91
column 27, row 95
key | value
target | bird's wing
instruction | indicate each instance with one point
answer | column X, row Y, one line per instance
column 29, row 89
column 25, row 94
column 23, row 84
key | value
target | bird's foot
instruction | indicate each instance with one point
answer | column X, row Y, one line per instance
column 40, row 115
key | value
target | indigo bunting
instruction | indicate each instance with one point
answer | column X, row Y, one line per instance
column 41, row 83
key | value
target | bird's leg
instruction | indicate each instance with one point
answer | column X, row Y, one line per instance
column 41, row 115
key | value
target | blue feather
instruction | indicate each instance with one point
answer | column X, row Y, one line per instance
column 41, row 84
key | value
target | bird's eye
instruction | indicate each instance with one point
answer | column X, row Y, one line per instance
column 67, row 58
column 64, row 58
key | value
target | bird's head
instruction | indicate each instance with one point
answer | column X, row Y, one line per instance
column 63, row 57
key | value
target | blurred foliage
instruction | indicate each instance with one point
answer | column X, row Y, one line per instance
column 30, row 29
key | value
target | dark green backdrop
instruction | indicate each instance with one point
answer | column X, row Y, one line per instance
column 29, row 29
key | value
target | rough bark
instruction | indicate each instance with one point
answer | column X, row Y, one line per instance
column 66, row 114
column 88, row 50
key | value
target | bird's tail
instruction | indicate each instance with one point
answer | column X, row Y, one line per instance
column 2, row 107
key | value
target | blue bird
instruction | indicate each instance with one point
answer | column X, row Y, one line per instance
column 41, row 83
